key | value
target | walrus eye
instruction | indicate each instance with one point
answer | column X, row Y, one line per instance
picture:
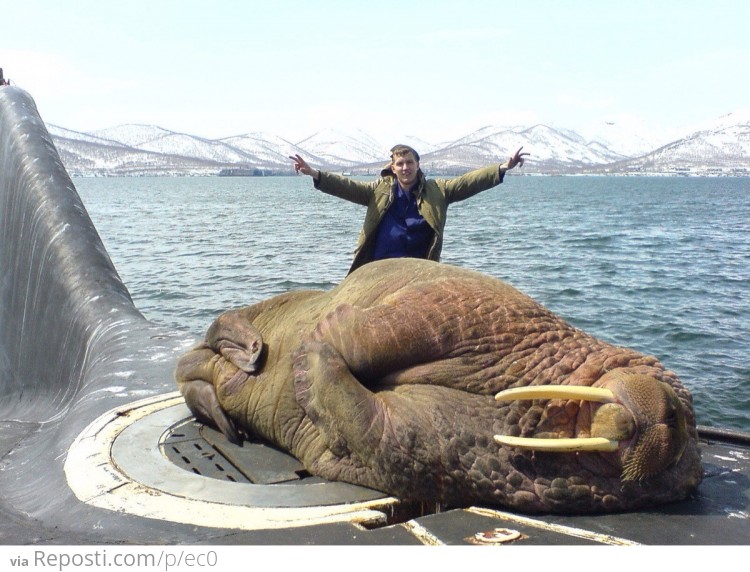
column 595, row 444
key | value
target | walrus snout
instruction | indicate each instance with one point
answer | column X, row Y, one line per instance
column 632, row 414
column 661, row 429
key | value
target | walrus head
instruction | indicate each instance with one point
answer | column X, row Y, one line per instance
column 631, row 415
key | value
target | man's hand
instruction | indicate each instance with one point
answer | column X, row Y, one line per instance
column 301, row 166
column 516, row 159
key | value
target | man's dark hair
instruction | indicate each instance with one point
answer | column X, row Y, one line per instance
column 400, row 150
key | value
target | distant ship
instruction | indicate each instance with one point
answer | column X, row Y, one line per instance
column 241, row 172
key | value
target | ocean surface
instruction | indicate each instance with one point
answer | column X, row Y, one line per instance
column 661, row 265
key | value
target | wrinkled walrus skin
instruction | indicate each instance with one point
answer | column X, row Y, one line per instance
column 389, row 381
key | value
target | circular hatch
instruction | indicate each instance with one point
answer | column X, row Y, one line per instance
column 150, row 458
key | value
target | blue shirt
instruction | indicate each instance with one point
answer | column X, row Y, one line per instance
column 403, row 232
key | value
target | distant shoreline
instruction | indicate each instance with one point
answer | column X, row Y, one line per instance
column 175, row 174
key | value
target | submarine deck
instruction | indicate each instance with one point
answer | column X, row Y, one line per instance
column 324, row 513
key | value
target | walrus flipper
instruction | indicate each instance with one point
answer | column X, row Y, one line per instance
column 236, row 339
column 329, row 393
column 371, row 435
column 193, row 370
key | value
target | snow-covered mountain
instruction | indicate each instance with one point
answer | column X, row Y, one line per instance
column 344, row 149
column 266, row 150
column 719, row 147
column 626, row 136
column 556, row 150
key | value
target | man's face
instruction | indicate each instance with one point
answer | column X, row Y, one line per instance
column 405, row 167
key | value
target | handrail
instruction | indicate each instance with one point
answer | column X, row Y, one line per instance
column 723, row 434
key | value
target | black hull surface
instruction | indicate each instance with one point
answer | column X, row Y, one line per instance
column 93, row 434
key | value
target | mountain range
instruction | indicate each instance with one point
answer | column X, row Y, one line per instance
column 721, row 147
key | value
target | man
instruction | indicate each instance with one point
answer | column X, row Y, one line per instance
column 406, row 211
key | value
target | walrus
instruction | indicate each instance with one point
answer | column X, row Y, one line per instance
column 436, row 383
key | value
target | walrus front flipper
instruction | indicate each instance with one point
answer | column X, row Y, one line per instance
column 192, row 374
column 370, row 435
column 333, row 398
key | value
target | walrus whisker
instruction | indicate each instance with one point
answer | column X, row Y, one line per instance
column 591, row 444
column 585, row 393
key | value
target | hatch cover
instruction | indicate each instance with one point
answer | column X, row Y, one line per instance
column 204, row 451
column 150, row 458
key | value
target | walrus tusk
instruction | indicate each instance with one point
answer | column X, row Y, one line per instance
column 586, row 393
column 595, row 444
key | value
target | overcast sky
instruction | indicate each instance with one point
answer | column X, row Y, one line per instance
column 435, row 70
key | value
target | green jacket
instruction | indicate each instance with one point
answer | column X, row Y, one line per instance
column 433, row 198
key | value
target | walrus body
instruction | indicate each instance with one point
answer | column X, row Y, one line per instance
column 390, row 380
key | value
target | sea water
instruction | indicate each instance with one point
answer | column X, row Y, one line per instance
column 658, row 264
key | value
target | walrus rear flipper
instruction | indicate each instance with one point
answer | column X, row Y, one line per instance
column 235, row 338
